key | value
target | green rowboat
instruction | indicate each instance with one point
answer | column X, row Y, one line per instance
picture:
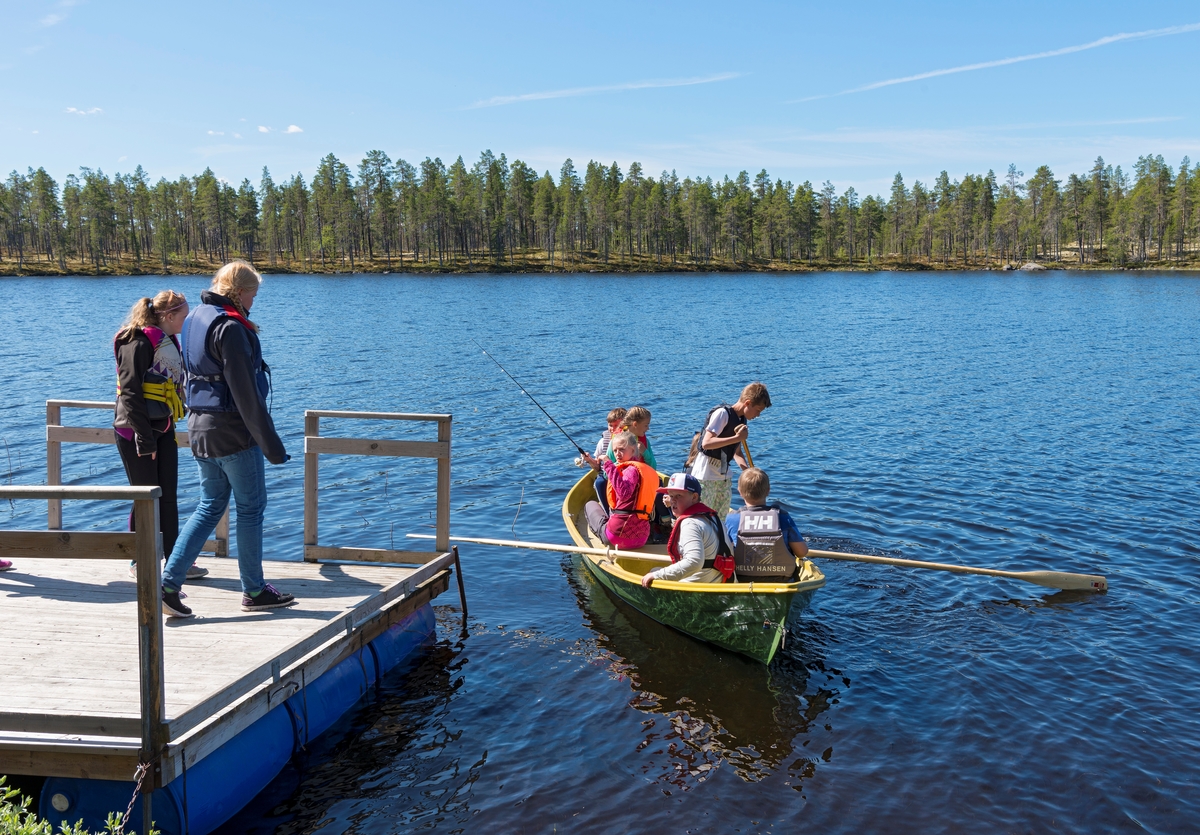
column 748, row 618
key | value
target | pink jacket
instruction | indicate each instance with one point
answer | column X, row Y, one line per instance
column 624, row 530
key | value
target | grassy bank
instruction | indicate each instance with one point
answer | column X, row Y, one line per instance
column 536, row 261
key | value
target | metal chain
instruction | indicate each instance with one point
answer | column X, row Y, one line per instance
column 139, row 775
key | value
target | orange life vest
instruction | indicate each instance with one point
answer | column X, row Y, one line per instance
column 643, row 502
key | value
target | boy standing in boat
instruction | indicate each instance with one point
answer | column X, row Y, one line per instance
column 698, row 549
column 766, row 541
column 720, row 441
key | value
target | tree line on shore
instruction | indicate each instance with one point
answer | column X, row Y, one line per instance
column 496, row 214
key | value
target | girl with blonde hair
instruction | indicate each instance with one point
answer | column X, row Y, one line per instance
column 231, row 431
column 624, row 521
column 149, row 403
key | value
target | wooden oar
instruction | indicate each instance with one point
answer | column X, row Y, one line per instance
column 545, row 546
column 1050, row 579
column 746, row 449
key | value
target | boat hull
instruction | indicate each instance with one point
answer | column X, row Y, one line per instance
column 748, row 618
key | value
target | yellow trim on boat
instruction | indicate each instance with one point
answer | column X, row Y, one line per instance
column 810, row 576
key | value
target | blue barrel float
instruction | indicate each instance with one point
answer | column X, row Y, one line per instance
column 222, row 783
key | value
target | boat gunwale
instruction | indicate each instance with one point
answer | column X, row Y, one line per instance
column 613, row 567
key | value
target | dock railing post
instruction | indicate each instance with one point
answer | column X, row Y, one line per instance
column 442, row 542
column 221, row 535
column 53, row 466
column 147, row 547
column 312, row 428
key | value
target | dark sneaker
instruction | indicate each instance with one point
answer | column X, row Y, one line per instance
column 173, row 607
column 269, row 598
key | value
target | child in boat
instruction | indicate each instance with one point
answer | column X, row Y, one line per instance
column 615, row 418
column 637, row 421
column 631, row 492
column 720, row 441
column 770, row 543
column 698, row 548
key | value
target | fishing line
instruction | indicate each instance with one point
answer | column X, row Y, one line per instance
column 519, row 503
column 530, row 396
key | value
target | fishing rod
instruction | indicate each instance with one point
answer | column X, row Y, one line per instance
column 530, row 396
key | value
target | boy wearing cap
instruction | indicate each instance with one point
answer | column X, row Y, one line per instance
column 720, row 441
column 698, row 547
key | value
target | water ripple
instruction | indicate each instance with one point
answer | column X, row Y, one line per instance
column 994, row 420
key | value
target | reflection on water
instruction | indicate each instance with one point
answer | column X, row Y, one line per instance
column 393, row 746
column 705, row 707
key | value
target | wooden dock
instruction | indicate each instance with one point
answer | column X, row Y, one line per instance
column 95, row 684
column 70, row 662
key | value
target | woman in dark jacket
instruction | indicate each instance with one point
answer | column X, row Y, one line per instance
column 149, row 402
column 230, row 431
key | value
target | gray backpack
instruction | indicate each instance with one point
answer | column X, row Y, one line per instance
column 761, row 552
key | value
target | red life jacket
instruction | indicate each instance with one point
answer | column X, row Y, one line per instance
column 723, row 561
column 643, row 500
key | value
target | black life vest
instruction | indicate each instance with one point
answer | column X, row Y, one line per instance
column 207, row 391
column 761, row 552
column 724, row 454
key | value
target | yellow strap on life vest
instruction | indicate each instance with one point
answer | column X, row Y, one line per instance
column 163, row 393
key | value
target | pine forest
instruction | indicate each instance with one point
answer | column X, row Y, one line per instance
column 495, row 216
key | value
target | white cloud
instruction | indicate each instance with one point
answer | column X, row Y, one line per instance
column 52, row 19
column 294, row 129
column 237, row 136
column 91, row 111
column 869, row 157
column 263, row 129
column 122, row 158
column 571, row 92
column 1001, row 62
column 216, row 133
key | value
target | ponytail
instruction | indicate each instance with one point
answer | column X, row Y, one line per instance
column 694, row 452
column 148, row 313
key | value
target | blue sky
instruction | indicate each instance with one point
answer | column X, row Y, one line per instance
column 703, row 87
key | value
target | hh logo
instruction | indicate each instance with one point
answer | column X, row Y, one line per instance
column 758, row 523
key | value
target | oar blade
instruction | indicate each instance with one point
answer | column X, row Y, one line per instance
column 1063, row 580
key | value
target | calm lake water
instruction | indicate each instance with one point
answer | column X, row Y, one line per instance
column 1013, row 421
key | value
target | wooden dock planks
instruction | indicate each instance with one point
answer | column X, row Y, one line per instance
column 72, row 647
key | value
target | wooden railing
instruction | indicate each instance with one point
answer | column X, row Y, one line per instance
column 57, row 435
column 315, row 445
column 256, row 692
column 144, row 547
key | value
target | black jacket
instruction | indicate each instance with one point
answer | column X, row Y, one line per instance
column 216, row 435
column 135, row 355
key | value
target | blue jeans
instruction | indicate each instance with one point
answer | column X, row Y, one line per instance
column 243, row 474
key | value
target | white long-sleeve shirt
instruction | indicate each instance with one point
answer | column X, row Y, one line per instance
column 697, row 545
